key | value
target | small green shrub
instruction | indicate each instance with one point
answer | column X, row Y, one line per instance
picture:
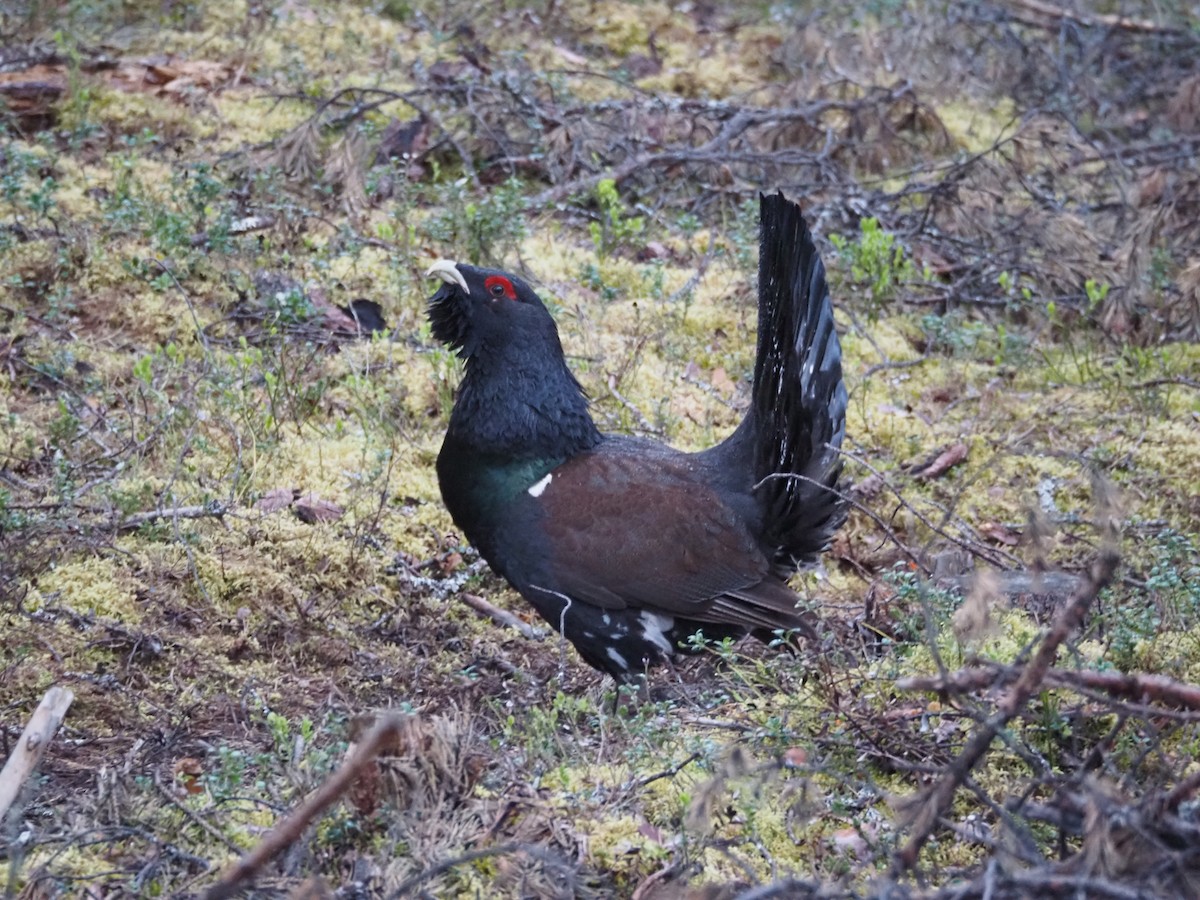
column 479, row 230
column 876, row 261
column 615, row 228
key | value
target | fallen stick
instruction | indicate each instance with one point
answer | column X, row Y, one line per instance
column 502, row 616
column 1057, row 14
column 137, row 520
column 30, row 749
column 287, row 832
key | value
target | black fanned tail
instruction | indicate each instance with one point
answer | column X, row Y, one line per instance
column 799, row 399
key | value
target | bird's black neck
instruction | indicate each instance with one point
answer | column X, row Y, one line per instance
column 521, row 405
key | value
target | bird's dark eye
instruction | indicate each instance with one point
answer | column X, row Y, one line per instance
column 499, row 286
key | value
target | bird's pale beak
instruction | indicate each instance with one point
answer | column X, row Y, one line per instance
column 447, row 270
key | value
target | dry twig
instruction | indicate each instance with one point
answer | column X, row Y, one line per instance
column 137, row 520
column 1141, row 688
column 937, row 800
column 1048, row 15
column 470, row 856
column 502, row 616
column 287, row 832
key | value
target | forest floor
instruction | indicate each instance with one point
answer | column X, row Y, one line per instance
column 221, row 530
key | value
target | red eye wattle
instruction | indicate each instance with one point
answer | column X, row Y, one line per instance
column 499, row 286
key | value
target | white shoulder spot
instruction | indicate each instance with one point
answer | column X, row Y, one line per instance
column 536, row 489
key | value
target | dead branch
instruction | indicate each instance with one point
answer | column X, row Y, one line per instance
column 137, row 520
column 287, row 832
column 645, row 424
column 502, row 616
column 1159, row 382
column 1182, row 792
column 1039, row 883
column 1046, row 15
column 30, row 749
column 1140, row 688
column 977, row 549
column 718, row 149
column 650, row 884
column 939, row 797
column 666, row 773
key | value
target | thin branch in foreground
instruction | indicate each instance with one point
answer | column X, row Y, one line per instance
column 287, row 832
column 645, row 424
column 1046, row 15
column 1182, row 792
column 1160, row 382
column 937, row 801
column 665, row 773
column 1152, row 688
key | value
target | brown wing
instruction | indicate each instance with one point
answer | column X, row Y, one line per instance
column 636, row 530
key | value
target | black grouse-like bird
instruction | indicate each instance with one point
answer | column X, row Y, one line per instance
column 626, row 546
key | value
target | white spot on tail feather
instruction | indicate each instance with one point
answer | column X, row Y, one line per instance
column 535, row 489
column 655, row 628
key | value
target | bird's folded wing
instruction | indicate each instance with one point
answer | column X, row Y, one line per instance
column 631, row 531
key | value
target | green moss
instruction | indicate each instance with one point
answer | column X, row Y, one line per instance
column 252, row 116
column 90, row 585
column 625, row 27
column 1173, row 653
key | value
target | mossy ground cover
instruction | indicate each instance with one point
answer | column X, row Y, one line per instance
column 219, row 520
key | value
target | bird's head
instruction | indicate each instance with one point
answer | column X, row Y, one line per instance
column 478, row 308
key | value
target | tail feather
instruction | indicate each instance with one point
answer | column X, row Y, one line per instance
column 799, row 398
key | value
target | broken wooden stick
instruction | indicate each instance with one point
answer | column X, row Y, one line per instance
column 137, row 520
column 30, row 749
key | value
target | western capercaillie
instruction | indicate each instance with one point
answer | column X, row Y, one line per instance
column 626, row 546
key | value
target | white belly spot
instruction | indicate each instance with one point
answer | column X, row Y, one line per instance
column 535, row 489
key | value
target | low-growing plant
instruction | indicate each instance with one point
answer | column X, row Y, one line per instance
column 1097, row 293
column 592, row 277
column 954, row 333
column 877, row 261
column 615, row 228
column 445, row 367
column 1174, row 579
column 924, row 609
column 480, row 230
